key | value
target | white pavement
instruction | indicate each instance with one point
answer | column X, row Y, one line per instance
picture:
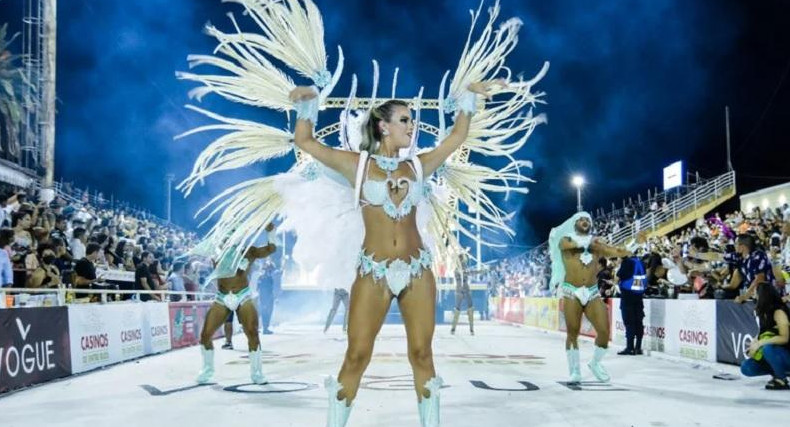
column 528, row 364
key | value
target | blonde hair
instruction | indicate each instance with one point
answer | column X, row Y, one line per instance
column 371, row 133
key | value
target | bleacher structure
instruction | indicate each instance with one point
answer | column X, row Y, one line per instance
column 681, row 211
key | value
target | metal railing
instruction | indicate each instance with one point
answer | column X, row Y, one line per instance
column 60, row 296
column 699, row 196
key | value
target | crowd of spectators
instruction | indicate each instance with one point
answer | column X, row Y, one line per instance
column 521, row 276
column 66, row 241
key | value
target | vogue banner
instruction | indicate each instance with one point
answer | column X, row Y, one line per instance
column 736, row 327
column 34, row 346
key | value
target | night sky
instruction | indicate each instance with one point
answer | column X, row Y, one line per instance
column 633, row 86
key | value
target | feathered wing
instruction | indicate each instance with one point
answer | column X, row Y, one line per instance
column 499, row 130
column 246, row 142
column 291, row 32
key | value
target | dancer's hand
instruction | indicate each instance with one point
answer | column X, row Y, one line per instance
column 484, row 88
column 302, row 93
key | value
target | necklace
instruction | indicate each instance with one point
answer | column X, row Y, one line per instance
column 389, row 164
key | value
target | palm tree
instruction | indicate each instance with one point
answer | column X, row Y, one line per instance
column 11, row 83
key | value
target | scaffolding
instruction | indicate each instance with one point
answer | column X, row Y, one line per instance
column 38, row 100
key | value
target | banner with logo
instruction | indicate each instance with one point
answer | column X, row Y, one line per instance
column 129, row 318
column 654, row 322
column 691, row 329
column 736, row 328
column 186, row 322
column 156, row 327
column 105, row 334
column 549, row 313
column 542, row 313
column 531, row 311
column 34, row 346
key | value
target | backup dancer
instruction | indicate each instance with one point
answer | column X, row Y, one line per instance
column 234, row 295
column 573, row 251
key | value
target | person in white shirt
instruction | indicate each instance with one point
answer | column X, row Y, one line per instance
column 78, row 243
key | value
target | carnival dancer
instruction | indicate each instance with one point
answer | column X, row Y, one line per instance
column 373, row 211
column 573, row 250
column 234, row 295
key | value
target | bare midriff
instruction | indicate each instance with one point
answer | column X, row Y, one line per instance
column 576, row 272
column 233, row 284
column 386, row 238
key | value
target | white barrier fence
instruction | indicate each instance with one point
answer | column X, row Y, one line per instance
column 38, row 344
column 709, row 330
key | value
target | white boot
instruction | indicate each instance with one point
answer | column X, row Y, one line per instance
column 596, row 367
column 574, row 366
column 429, row 406
column 339, row 410
column 256, row 372
column 208, row 366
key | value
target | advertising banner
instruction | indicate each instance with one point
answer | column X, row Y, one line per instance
column 691, row 329
column 531, row 311
column 542, row 313
column 156, row 329
column 549, row 313
column 736, row 327
column 34, row 346
column 654, row 334
column 105, row 334
column 186, row 322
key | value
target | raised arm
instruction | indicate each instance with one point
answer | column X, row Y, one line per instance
column 431, row 160
column 260, row 252
column 306, row 102
column 598, row 247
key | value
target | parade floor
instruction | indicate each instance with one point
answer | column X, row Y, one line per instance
column 504, row 376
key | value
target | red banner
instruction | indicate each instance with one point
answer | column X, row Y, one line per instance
column 186, row 322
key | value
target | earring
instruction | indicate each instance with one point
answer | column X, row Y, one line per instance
column 385, row 132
